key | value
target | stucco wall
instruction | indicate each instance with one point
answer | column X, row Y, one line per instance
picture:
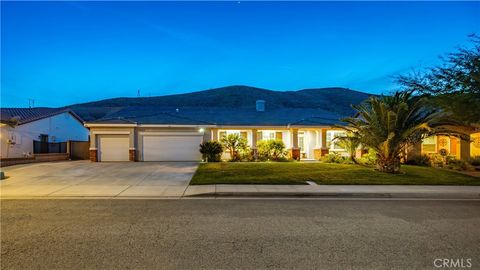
column 475, row 145
column 59, row 128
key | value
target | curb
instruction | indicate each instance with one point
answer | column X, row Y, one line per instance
column 404, row 195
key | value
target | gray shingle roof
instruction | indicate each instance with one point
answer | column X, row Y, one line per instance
column 22, row 116
column 223, row 116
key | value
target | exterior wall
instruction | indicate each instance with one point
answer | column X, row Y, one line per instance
column 35, row 159
column 475, row 145
column 315, row 139
column 460, row 149
column 59, row 128
column 136, row 137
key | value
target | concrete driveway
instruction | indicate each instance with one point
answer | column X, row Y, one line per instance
column 85, row 178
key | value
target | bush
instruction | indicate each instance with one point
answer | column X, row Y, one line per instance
column 420, row 160
column 457, row 164
column 437, row 160
column 246, row 154
column 474, row 161
column 335, row 158
column 271, row 150
column 211, row 151
column 369, row 159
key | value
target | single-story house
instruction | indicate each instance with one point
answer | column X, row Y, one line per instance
column 21, row 127
column 149, row 133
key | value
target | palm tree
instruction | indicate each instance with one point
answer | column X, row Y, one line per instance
column 388, row 124
column 234, row 143
column 349, row 142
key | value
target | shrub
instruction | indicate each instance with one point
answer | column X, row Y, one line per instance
column 368, row 159
column 457, row 164
column 420, row 160
column 246, row 154
column 474, row 161
column 234, row 143
column 211, row 151
column 335, row 158
column 271, row 150
column 437, row 160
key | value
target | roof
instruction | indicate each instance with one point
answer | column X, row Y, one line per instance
column 222, row 116
column 20, row 116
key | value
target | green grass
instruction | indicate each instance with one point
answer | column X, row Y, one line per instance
column 322, row 173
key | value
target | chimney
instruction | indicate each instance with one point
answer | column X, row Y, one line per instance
column 260, row 105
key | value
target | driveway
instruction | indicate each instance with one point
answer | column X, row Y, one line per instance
column 85, row 178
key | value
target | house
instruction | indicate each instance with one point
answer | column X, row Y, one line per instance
column 174, row 134
column 170, row 128
column 23, row 129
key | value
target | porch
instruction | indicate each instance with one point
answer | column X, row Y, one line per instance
column 301, row 143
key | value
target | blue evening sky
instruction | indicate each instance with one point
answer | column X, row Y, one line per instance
column 60, row 53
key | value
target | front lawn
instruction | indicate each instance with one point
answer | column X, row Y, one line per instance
column 322, row 173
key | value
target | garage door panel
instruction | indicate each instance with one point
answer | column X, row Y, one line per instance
column 113, row 147
column 171, row 148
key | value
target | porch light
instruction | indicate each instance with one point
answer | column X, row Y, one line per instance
column 201, row 130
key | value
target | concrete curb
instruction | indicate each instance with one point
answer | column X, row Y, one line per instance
column 403, row 195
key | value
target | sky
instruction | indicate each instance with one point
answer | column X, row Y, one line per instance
column 61, row 53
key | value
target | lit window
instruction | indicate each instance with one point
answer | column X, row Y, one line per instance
column 268, row 135
column 429, row 145
column 333, row 144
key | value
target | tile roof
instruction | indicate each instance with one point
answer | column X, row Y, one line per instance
column 223, row 116
column 22, row 116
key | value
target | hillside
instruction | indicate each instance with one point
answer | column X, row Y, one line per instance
column 336, row 100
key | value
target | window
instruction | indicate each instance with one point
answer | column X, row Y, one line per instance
column 301, row 141
column 268, row 135
column 333, row 144
column 224, row 133
column 429, row 145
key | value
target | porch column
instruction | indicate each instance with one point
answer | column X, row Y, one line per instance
column 324, row 142
column 317, row 151
column 93, row 147
column 214, row 134
column 254, row 138
column 295, row 151
column 254, row 143
column 465, row 148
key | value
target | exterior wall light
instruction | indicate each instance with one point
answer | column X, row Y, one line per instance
column 201, row 130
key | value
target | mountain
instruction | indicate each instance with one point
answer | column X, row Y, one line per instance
column 337, row 100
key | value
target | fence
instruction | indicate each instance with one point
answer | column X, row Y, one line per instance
column 79, row 150
column 49, row 147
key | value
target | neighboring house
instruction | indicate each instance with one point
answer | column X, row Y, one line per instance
column 150, row 133
column 20, row 127
column 452, row 146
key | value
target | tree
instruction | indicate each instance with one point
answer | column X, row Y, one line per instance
column 453, row 85
column 211, row 151
column 388, row 124
column 349, row 142
column 234, row 143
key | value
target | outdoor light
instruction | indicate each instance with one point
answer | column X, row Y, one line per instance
column 201, row 130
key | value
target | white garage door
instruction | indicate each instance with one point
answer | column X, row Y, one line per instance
column 113, row 147
column 171, row 148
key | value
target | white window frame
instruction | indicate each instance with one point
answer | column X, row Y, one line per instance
column 268, row 135
column 331, row 143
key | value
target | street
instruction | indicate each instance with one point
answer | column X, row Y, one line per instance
column 237, row 233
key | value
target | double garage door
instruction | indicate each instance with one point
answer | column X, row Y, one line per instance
column 153, row 147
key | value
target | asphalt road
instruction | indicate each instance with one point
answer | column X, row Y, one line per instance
column 224, row 234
